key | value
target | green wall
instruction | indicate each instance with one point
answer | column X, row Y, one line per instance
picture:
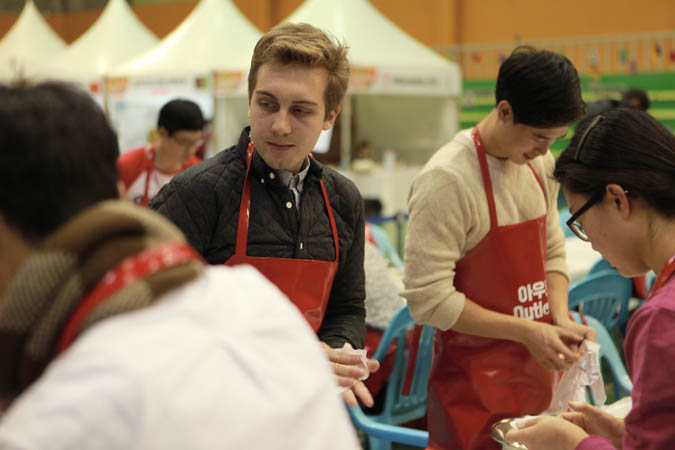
column 479, row 97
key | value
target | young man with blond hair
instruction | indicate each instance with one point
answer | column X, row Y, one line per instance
column 266, row 203
column 114, row 334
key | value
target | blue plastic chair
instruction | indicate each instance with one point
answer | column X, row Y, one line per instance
column 600, row 265
column 397, row 407
column 603, row 295
column 385, row 246
column 651, row 279
column 622, row 382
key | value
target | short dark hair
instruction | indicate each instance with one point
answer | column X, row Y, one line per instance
column 180, row 114
column 636, row 94
column 57, row 156
column 542, row 87
column 627, row 147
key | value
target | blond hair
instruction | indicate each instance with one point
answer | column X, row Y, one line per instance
column 302, row 44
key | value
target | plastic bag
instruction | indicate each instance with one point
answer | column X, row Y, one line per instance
column 586, row 372
column 347, row 348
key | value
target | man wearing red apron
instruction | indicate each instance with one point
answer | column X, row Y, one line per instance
column 144, row 170
column 266, row 203
column 485, row 260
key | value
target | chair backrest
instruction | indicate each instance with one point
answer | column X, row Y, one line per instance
column 608, row 352
column 603, row 295
column 406, row 399
column 385, row 246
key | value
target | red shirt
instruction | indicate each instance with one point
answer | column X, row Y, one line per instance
column 141, row 178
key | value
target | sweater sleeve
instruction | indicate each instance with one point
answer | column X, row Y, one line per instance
column 440, row 216
column 555, row 238
column 595, row 443
column 650, row 352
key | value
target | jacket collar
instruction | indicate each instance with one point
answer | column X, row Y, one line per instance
column 260, row 169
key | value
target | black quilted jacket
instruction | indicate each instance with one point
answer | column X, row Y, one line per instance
column 204, row 200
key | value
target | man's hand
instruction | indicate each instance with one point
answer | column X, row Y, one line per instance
column 597, row 422
column 578, row 328
column 554, row 347
column 348, row 371
column 548, row 433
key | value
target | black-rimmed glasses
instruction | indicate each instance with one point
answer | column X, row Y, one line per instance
column 572, row 221
column 188, row 143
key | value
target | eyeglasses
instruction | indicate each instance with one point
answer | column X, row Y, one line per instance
column 188, row 143
column 572, row 221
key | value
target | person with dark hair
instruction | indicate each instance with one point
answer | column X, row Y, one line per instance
column 485, row 258
column 636, row 98
column 114, row 334
column 146, row 169
column 267, row 203
column 633, row 98
column 618, row 176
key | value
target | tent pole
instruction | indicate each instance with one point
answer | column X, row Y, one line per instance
column 346, row 132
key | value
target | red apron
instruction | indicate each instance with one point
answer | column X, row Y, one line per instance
column 476, row 381
column 145, row 201
column 307, row 283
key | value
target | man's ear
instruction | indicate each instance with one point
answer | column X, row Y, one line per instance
column 618, row 197
column 504, row 110
column 331, row 117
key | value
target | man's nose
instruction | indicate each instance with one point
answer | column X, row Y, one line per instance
column 281, row 124
column 541, row 148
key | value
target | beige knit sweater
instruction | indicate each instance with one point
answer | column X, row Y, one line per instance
column 449, row 217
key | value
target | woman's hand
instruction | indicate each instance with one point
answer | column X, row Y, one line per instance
column 548, row 433
column 579, row 328
column 597, row 422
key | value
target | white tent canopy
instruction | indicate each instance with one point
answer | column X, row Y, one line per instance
column 28, row 44
column 215, row 36
column 398, row 63
column 210, row 51
column 116, row 36
column 403, row 97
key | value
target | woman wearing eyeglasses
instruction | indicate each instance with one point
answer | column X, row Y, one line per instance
column 618, row 175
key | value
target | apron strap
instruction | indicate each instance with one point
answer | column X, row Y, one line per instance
column 244, row 206
column 482, row 159
column 245, row 209
column 145, row 201
column 329, row 209
column 480, row 148
column 541, row 185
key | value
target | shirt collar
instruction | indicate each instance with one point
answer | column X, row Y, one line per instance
column 294, row 181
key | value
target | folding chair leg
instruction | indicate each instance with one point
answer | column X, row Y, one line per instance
column 378, row 444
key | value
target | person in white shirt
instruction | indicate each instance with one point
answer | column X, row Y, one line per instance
column 114, row 334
